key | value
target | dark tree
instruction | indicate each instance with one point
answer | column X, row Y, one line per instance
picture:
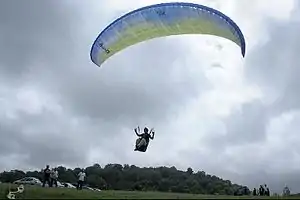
column 126, row 177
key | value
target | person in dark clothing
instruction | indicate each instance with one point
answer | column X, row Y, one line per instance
column 261, row 191
column 254, row 193
column 143, row 141
column 46, row 179
column 267, row 190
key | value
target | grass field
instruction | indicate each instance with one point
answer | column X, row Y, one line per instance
column 34, row 192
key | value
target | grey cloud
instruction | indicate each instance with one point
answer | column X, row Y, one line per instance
column 33, row 38
column 49, row 56
column 247, row 125
column 140, row 87
column 46, row 44
column 274, row 68
column 33, row 29
column 41, row 139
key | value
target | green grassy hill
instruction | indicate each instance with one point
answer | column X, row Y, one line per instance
column 34, row 192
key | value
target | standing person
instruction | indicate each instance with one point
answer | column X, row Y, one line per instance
column 54, row 177
column 267, row 191
column 286, row 191
column 51, row 176
column 261, row 190
column 81, row 178
column 254, row 192
column 47, row 173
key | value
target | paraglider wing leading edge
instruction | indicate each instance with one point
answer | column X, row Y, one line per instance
column 162, row 20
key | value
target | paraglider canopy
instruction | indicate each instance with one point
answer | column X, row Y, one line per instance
column 162, row 20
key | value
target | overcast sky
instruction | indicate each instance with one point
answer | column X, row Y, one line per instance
column 212, row 110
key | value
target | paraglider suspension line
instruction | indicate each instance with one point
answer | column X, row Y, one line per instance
column 105, row 49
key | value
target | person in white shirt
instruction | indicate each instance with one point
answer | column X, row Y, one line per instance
column 81, row 178
column 54, row 177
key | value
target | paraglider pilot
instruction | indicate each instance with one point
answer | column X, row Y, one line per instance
column 144, row 139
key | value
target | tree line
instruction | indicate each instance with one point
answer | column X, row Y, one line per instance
column 126, row 177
